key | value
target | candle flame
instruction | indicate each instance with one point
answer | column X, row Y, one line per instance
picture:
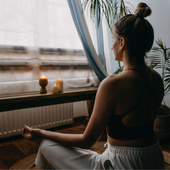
column 43, row 76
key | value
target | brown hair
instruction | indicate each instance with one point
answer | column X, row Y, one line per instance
column 137, row 31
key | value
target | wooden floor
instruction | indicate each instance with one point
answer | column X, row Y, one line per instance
column 14, row 149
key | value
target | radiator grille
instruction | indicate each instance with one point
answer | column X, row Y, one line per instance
column 12, row 122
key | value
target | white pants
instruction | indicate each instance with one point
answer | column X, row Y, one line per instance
column 52, row 155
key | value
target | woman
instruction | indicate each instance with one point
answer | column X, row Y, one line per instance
column 126, row 105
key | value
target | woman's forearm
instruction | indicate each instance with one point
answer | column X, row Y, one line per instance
column 76, row 140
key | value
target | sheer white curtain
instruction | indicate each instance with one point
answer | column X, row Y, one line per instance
column 45, row 23
column 32, row 24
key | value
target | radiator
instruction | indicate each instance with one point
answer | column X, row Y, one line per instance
column 12, row 122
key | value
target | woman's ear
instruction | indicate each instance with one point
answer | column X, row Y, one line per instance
column 122, row 43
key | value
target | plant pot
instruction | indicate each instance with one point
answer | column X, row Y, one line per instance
column 162, row 123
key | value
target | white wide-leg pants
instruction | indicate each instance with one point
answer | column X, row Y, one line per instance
column 52, row 155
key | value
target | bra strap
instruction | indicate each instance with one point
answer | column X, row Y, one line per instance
column 157, row 101
column 136, row 104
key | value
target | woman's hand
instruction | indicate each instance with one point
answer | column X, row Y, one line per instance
column 30, row 133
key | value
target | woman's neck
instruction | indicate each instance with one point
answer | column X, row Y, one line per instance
column 132, row 63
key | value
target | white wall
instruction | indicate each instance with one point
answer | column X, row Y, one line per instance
column 160, row 17
column 160, row 20
column 80, row 109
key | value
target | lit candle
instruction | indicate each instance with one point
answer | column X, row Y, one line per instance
column 59, row 83
column 43, row 81
column 54, row 89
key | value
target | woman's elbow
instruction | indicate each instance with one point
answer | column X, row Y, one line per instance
column 88, row 143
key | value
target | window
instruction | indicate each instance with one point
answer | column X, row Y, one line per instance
column 38, row 37
column 43, row 23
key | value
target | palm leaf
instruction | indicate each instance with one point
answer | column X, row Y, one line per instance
column 109, row 8
column 85, row 3
column 154, row 60
column 160, row 58
column 119, row 70
column 160, row 43
column 168, row 52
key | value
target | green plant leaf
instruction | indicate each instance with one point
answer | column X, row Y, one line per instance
column 160, row 58
column 119, row 70
column 109, row 9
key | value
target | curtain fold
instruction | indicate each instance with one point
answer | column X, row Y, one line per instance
column 100, row 44
column 80, row 23
column 111, row 63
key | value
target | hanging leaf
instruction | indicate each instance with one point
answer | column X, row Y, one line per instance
column 159, row 58
column 119, row 70
column 109, row 9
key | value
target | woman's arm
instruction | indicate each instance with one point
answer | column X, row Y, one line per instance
column 103, row 108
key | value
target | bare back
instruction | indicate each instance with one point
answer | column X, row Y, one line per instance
column 132, row 89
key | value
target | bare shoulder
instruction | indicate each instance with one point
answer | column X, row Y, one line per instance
column 155, row 73
column 155, row 77
column 156, row 82
column 110, row 82
column 109, row 86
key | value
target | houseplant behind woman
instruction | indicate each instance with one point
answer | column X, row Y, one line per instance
column 125, row 105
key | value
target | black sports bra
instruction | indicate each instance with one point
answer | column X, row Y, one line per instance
column 117, row 130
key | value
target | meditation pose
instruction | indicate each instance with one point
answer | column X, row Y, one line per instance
column 126, row 106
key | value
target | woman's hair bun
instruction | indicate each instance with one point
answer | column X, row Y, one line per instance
column 143, row 10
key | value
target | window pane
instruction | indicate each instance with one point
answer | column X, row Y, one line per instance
column 44, row 23
column 48, row 25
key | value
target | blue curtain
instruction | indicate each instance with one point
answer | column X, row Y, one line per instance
column 100, row 44
column 80, row 23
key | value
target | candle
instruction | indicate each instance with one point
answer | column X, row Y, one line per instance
column 59, row 83
column 43, row 81
column 54, row 89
